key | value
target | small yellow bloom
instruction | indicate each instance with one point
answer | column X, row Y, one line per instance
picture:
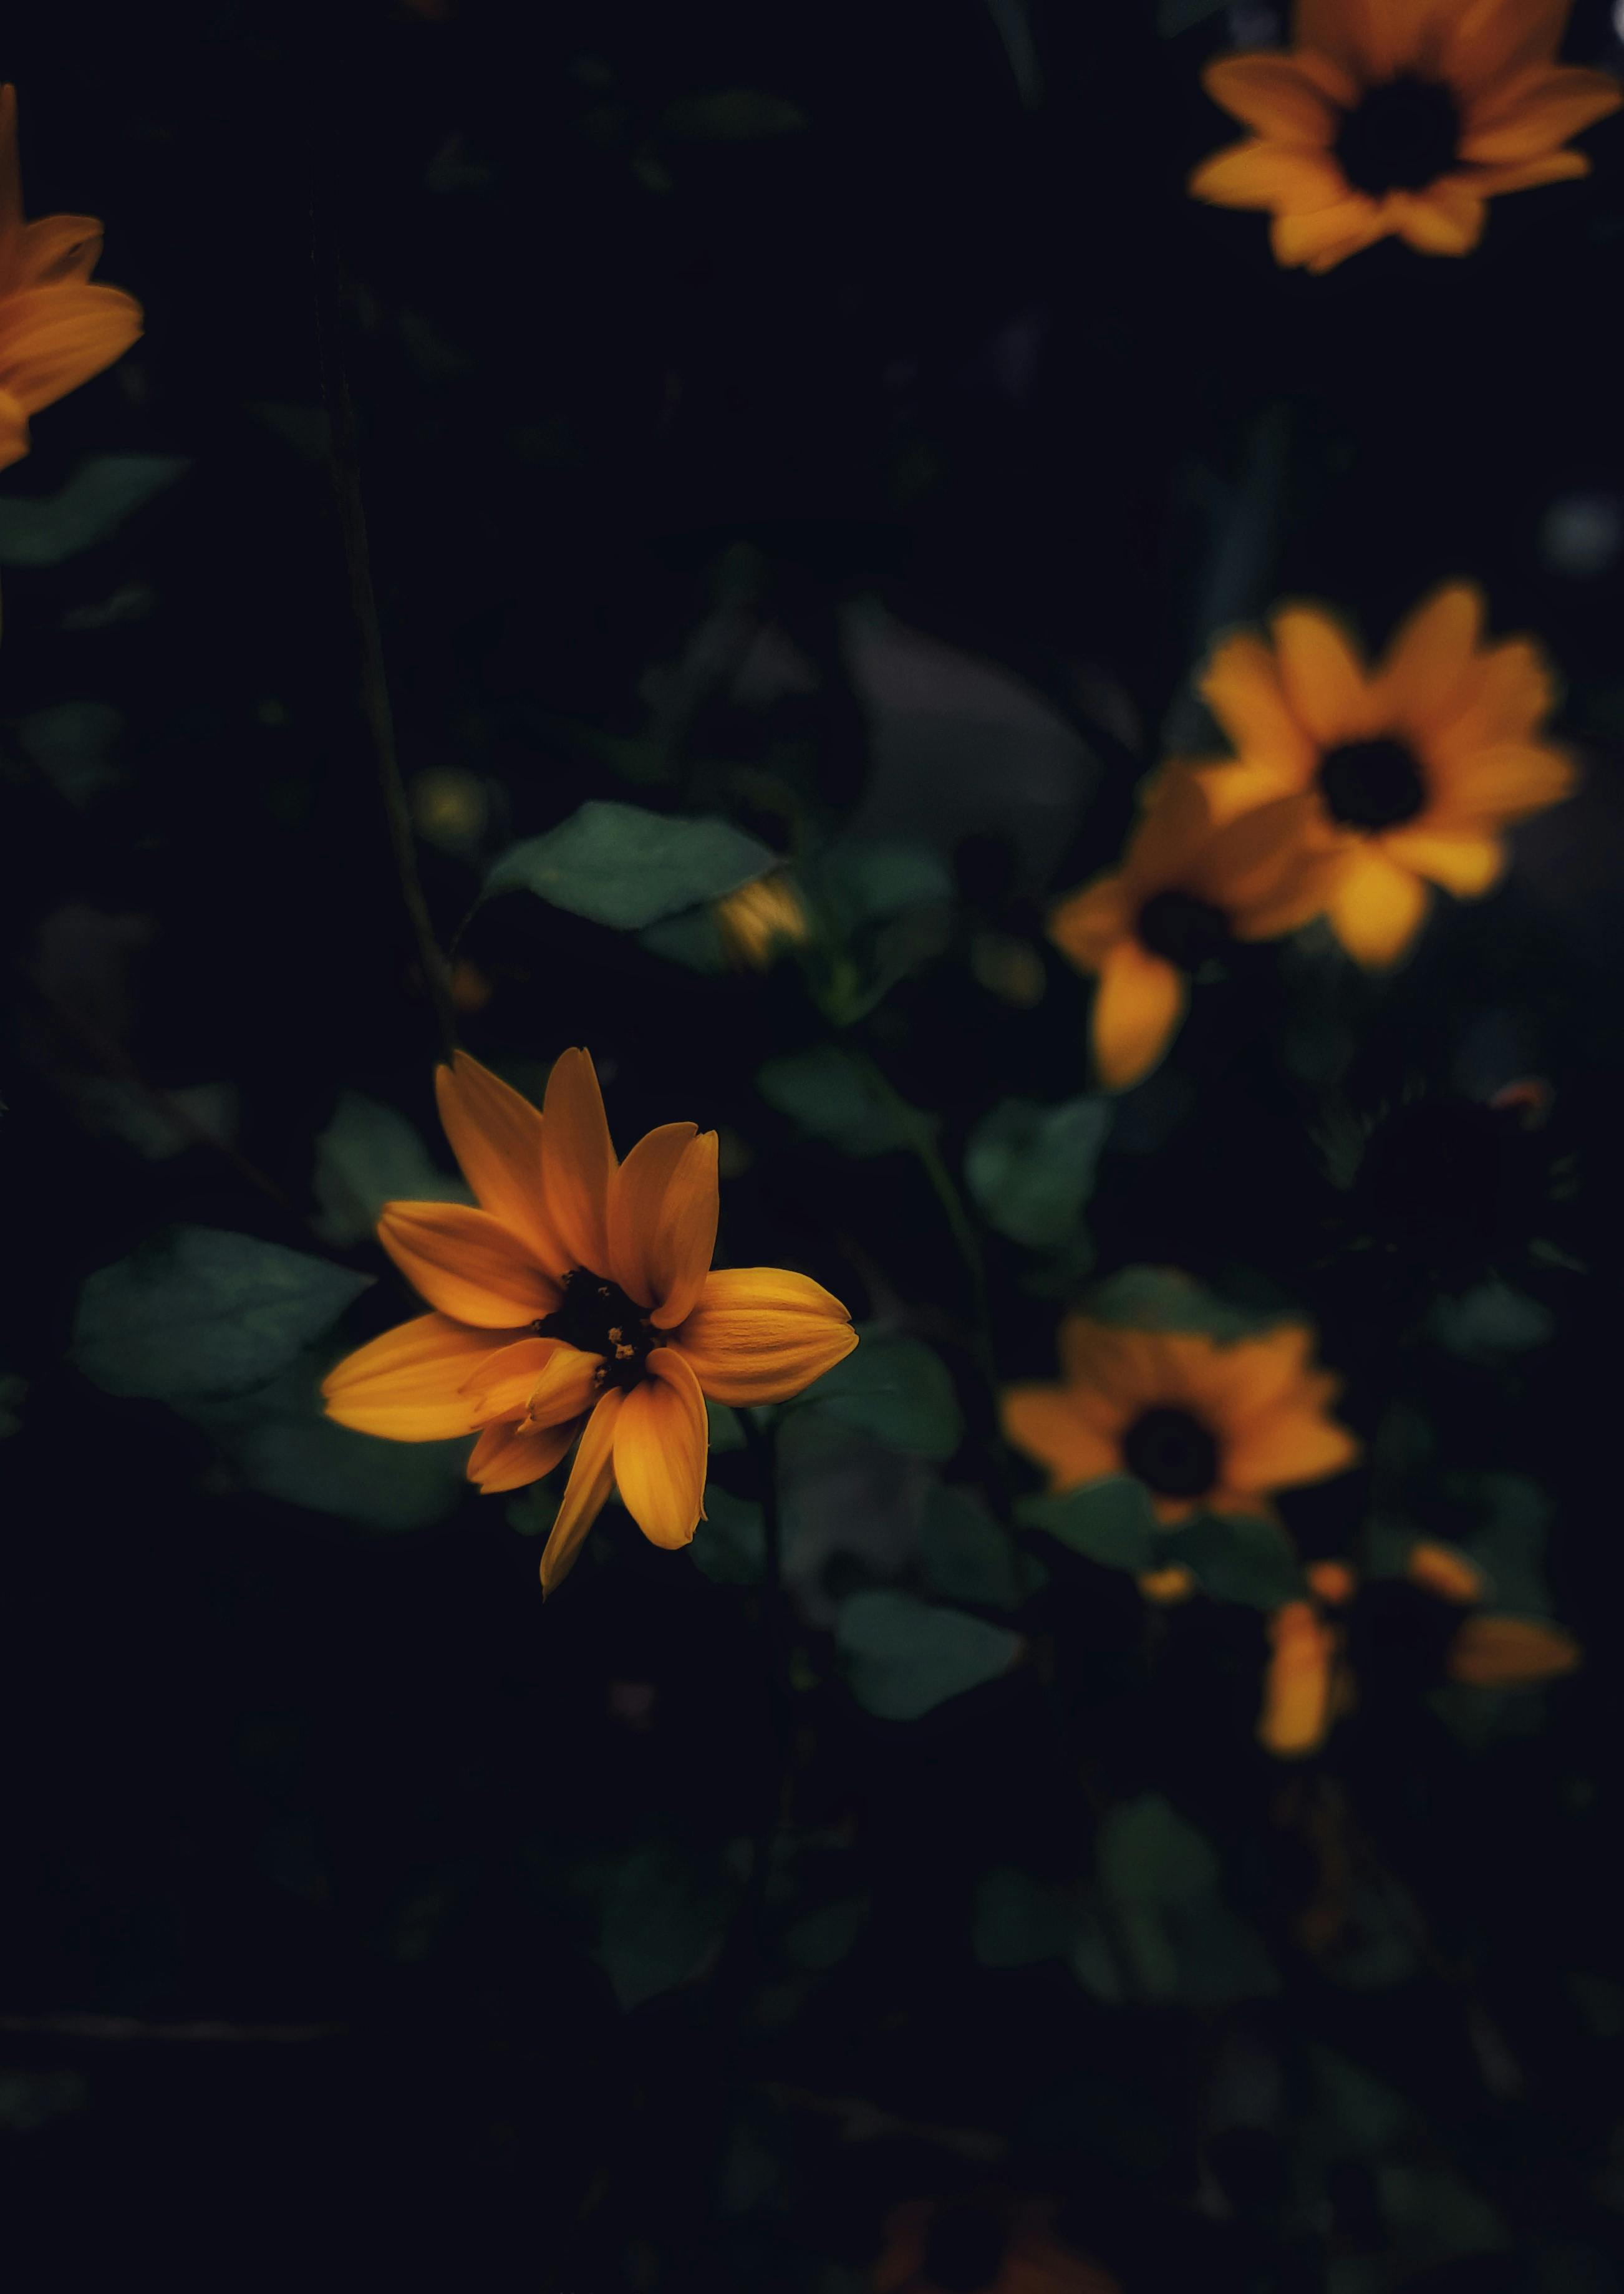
column 760, row 919
column 1205, row 1428
column 1334, row 1583
column 1299, row 1684
column 1167, row 1586
column 579, row 1300
column 1191, row 884
column 1445, row 1570
column 1491, row 1652
column 56, row 329
column 1416, row 767
column 1399, row 117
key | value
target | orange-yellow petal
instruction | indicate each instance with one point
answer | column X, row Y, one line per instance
column 496, row 1136
column 1321, row 238
column 1508, row 782
column 1445, row 218
column 1491, row 1652
column 1444, row 1570
column 637, row 1201
column 1271, row 94
column 536, row 1381
column 1138, row 1005
column 1297, row 1685
column 591, row 1479
column 55, row 337
column 1359, row 35
column 686, row 1241
column 1291, row 178
column 408, row 1386
column 1464, row 862
column 1089, row 922
column 53, row 251
column 1508, row 693
column 578, row 1160
column 1166, row 1585
column 1533, row 115
column 1376, row 908
column 1241, row 686
column 1528, row 174
column 1286, row 1447
column 1425, row 666
column 1046, row 1423
column 662, row 1440
column 760, row 1334
column 467, row 1263
column 1322, row 676
column 510, row 1457
column 1488, row 43
column 1332, row 1581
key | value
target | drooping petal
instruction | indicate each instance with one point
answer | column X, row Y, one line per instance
column 1241, row 686
column 1273, row 95
column 578, row 1160
column 408, row 1386
column 760, row 1334
column 1291, row 178
column 685, row 1242
column 662, row 1442
column 1043, row 1422
column 57, row 337
column 568, row 1385
column 1447, row 218
column 1528, row 174
column 1428, row 661
column 1089, row 922
column 1284, row 1447
column 467, row 1263
column 1297, row 1711
column 591, row 1479
column 1492, row 1652
column 55, row 249
column 1376, row 908
column 496, row 1136
column 1468, row 863
column 1322, row 676
column 1532, row 116
column 510, row 1457
column 1321, row 238
column 1138, row 1006
column 541, row 1381
column 637, row 1201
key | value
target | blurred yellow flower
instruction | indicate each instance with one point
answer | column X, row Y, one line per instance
column 1167, row 1586
column 1205, row 1428
column 580, row 1300
column 1190, row 883
column 760, row 919
column 1444, row 1570
column 56, row 329
column 1300, row 1681
column 1332, row 1581
column 1399, row 117
column 1494, row 1652
column 1416, row 767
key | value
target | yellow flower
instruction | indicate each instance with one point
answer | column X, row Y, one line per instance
column 1189, row 885
column 1205, row 1428
column 1416, row 767
column 580, row 1300
column 56, row 329
column 761, row 918
column 1300, row 1683
column 1167, row 1586
column 1400, row 116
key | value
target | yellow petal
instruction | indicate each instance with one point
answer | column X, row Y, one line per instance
column 1506, row 695
column 1323, row 237
column 760, row 1334
column 1241, row 686
column 1251, row 859
column 637, row 1202
column 13, row 431
column 1286, row 1447
column 1297, row 1686
column 1172, row 827
column 1359, row 35
column 591, row 1479
column 1528, row 174
column 1291, row 178
column 55, row 249
column 408, row 1386
column 1322, row 676
column 685, row 1242
column 1111, row 1372
column 1271, row 94
column 1232, row 789
column 496, row 1136
column 1465, row 864
column 1426, row 664
column 1167, row 1585
column 1444, row 219
column 662, row 1442
column 1376, row 908
column 577, row 1159
column 1488, row 43
column 1089, row 922
column 508, row 1458
column 1509, row 782
column 1444, row 1570
column 56, row 338
column 1046, row 1423
column 539, row 1381
column 467, row 1263
column 1138, row 1006
column 1491, row 1651
column 1535, row 114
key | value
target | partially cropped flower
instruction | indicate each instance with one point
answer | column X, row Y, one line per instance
column 1416, row 767
column 1205, row 1428
column 761, row 919
column 1000, row 2246
column 1191, row 884
column 1300, row 1683
column 579, row 1300
column 1399, row 117
column 56, row 329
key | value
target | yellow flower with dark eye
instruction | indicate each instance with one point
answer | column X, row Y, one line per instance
column 760, row 919
column 1205, row 1428
column 1188, row 889
column 1399, row 117
column 579, row 1300
column 56, row 329
column 1416, row 767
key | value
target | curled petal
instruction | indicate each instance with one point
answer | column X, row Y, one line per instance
column 760, row 1334
column 1138, row 1006
column 662, row 1442
column 57, row 337
column 591, row 1479
column 496, row 1136
column 539, row 1381
column 637, row 1201
column 684, row 1245
column 408, row 1386
column 1270, row 94
column 578, row 1160
column 467, row 1263
column 510, row 1457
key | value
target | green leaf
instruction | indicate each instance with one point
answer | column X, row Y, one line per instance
column 967, row 1556
column 825, row 1937
column 1237, row 1557
column 727, row 1428
column 835, row 1097
column 395, row 1485
column 1032, row 1168
column 1158, row 1298
column 1019, row 1922
column 623, row 866
column 894, row 1388
column 72, row 743
column 46, row 529
column 663, row 1915
column 1110, row 1520
column 370, row 1155
column 1149, row 1853
column 691, row 939
column 730, row 1544
column 1489, row 1323
column 734, row 115
column 197, row 1312
column 863, row 880
column 1162, row 1880
column 905, row 1657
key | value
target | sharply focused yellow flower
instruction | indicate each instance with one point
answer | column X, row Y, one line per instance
column 56, row 329
column 579, row 1300
column 760, row 919
column 1190, row 886
column 1205, row 1428
column 1400, row 116
column 1416, row 767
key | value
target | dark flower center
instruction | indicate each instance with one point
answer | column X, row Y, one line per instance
column 1371, row 785
column 965, row 2249
column 1402, row 136
column 1187, row 931
column 1171, row 1453
column 599, row 1319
